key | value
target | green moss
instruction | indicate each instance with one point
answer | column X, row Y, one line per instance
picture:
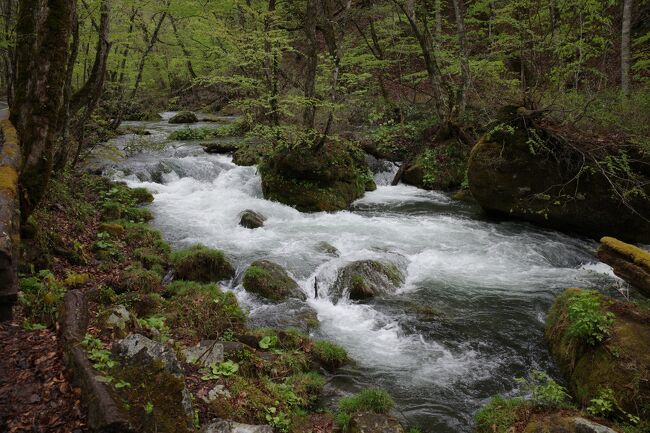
column 202, row 310
column 8, row 179
column 114, row 229
column 137, row 279
column 330, row 355
column 270, row 281
column 637, row 255
column 200, row 263
column 499, row 415
column 150, row 258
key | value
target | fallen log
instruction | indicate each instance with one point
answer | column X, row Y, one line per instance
column 630, row 263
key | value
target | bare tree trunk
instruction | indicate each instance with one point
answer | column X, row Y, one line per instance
column 309, row 114
column 145, row 54
column 464, row 61
column 625, row 47
column 43, row 34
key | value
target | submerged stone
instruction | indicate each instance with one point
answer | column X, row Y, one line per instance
column 251, row 219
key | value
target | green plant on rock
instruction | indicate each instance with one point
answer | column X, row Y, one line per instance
column 216, row 371
column 277, row 419
column 374, row 400
column 98, row 354
column 268, row 342
column 158, row 324
column 545, row 391
column 603, row 404
column 331, row 355
column 499, row 415
column 587, row 319
column 41, row 295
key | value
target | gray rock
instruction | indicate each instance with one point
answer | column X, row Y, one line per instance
column 139, row 350
column 366, row 422
column 118, row 318
column 251, row 219
column 206, row 353
column 365, row 279
column 585, row 426
column 221, row 426
column 216, row 392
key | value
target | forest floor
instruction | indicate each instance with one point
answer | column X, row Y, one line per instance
column 35, row 395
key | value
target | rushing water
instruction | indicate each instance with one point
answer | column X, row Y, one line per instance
column 467, row 321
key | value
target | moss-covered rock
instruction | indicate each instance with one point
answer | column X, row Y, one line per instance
column 365, row 279
column 250, row 153
column 440, row 167
column 629, row 262
column 316, row 179
column 523, row 170
column 220, row 147
column 620, row 362
column 271, row 281
column 203, row 264
column 184, row 117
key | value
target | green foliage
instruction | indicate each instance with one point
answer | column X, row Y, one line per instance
column 268, row 342
column 370, row 400
column 545, row 391
column 216, row 371
column 604, row 404
column 97, row 353
column 588, row 321
column 40, row 296
column 157, row 323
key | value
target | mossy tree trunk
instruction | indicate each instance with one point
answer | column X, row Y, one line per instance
column 43, row 32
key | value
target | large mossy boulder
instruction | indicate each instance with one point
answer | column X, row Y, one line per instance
column 203, row 264
column 269, row 280
column 522, row 168
column 439, row 167
column 313, row 178
column 365, row 279
column 602, row 346
column 184, row 117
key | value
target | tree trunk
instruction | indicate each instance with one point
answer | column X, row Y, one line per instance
column 625, row 47
column 43, row 33
column 186, row 52
column 311, row 52
column 145, row 54
column 464, row 62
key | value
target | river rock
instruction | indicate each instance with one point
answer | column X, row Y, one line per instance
column 367, row 422
column 629, row 262
column 328, row 248
column 221, row 426
column 206, row 353
column 291, row 314
column 269, row 280
column 220, row 147
column 139, row 350
column 316, row 178
column 118, row 319
column 521, row 170
column 184, row 117
column 621, row 362
column 585, row 426
column 251, row 219
column 365, row 279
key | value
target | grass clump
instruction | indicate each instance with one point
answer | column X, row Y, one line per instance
column 330, row 355
column 374, row 400
column 202, row 310
column 499, row 415
column 138, row 279
column 203, row 264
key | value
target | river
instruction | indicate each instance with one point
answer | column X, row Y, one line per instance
column 468, row 320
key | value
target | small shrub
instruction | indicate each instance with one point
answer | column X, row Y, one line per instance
column 41, row 295
column 545, row 391
column 604, row 404
column 330, row 355
column 370, row 400
column 587, row 319
column 203, row 264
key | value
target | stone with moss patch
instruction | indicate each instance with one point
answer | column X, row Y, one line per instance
column 365, row 279
column 184, row 117
column 203, row 264
column 271, row 281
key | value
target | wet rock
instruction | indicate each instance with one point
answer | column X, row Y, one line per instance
column 513, row 175
column 221, row 426
column 585, row 426
column 630, row 263
column 269, row 280
column 220, row 147
column 365, row 279
column 620, row 362
column 312, row 179
column 139, row 350
column 292, row 314
column 366, row 422
column 184, row 117
column 206, row 353
column 251, row 219
column 328, row 248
